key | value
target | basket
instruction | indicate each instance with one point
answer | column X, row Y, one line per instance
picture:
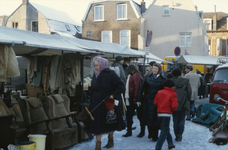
column 82, row 116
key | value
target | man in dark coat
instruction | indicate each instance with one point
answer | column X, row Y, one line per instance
column 119, row 63
column 152, row 82
column 184, row 91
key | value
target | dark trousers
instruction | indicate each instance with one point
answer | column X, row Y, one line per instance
column 130, row 113
column 165, row 134
column 192, row 110
column 178, row 122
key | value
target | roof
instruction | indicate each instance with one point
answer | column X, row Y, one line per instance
column 136, row 7
column 192, row 59
column 33, row 43
column 221, row 20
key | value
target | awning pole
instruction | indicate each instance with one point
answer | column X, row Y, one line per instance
column 82, row 78
column 143, row 72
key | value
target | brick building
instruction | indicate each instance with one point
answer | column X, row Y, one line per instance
column 113, row 22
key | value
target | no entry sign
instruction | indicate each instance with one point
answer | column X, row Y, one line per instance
column 177, row 51
column 149, row 38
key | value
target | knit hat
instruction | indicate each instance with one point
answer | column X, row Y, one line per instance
column 119, row 58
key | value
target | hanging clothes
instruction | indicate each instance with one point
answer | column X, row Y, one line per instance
column 53, row 72
column 72, row 72
column 32, row 66
column 46, row 75
column 38, row 74
column 60, row 77
column 8, row 63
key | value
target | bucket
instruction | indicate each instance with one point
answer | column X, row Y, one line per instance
column 39, row 139
column 27, row 145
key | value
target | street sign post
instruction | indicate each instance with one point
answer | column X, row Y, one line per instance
column 147, row 50
column 177, row 51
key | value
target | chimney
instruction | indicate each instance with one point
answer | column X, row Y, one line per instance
column 25, row 2
column 143, row 7
column 214, row 19
column 196, row 7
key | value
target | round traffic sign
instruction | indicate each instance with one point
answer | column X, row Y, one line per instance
column 149, row 38
column 177, row 51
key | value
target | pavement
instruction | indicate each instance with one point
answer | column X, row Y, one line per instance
column 201, row 101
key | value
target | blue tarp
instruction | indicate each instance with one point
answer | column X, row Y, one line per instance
column 208, row 114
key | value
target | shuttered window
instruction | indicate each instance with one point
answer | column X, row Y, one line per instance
column 125, row 37
column 99, row 13
column 122, row 11
column 106, row 36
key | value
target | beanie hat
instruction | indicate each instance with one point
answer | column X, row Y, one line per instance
column 119, row 58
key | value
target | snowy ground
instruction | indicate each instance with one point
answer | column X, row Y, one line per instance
column 195, row 137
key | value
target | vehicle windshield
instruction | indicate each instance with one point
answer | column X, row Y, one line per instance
column 221, row 76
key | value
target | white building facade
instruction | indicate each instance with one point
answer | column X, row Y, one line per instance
column 174, row 23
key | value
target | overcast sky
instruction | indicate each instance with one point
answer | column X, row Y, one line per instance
column 77, row 8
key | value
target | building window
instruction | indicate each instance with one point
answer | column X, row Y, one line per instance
column 209, row 47
column 106, row 36
column 15, row 25
column 67, row 27
column 208, row 23
column 166, row 11
column 125, row 37
column 35, row 26
column 200, row 13
column 122, row 11
column 99, row 13
column 185, row 39
column 88, row 33
column 0, row 21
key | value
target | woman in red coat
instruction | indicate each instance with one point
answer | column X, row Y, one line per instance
column 133, row 84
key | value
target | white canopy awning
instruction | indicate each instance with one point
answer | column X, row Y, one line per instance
column 204, row 60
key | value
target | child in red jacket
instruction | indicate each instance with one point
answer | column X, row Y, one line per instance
column 166, row 102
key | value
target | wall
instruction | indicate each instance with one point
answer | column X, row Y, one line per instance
column 23, row 15
column 42, row 24
column 183, row 18
column 110, row 23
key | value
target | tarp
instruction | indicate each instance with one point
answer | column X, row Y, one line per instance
column 204, row 60
column 208, row 114
column 33, row 43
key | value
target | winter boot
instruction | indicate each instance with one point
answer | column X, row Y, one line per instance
column 127, row 134
column 150, row 132
column 98, row 145
column 110, row 143
column 178, row 138
column 142, row 132
column 171, row 147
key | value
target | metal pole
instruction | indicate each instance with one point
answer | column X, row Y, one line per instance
column 82, row 78
column 143, row 72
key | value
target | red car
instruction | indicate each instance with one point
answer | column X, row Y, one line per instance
column 219, row 84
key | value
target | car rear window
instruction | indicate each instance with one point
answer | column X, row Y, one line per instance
column 221, row 76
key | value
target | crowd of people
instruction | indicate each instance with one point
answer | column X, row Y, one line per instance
column 155, row 96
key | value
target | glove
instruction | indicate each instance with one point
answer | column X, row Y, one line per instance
column 127, row 102
column 138, row 103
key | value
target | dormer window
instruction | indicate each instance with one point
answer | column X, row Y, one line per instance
column 208, row 23
column 122, row 11
column 99, row 13
column 35, row 26
column 67, row 27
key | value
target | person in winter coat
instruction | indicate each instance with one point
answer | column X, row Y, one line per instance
column 184, row 91
column 166, row 102
column 105, row 82
column 119, row 63
column 194, row 80
column 133, row 84
column 152, row 82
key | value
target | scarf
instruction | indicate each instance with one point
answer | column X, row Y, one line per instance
column 103, row 63
column 127, row 90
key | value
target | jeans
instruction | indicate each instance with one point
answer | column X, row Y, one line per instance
column 192, row 110
column 178, row 122
column 165, row 134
